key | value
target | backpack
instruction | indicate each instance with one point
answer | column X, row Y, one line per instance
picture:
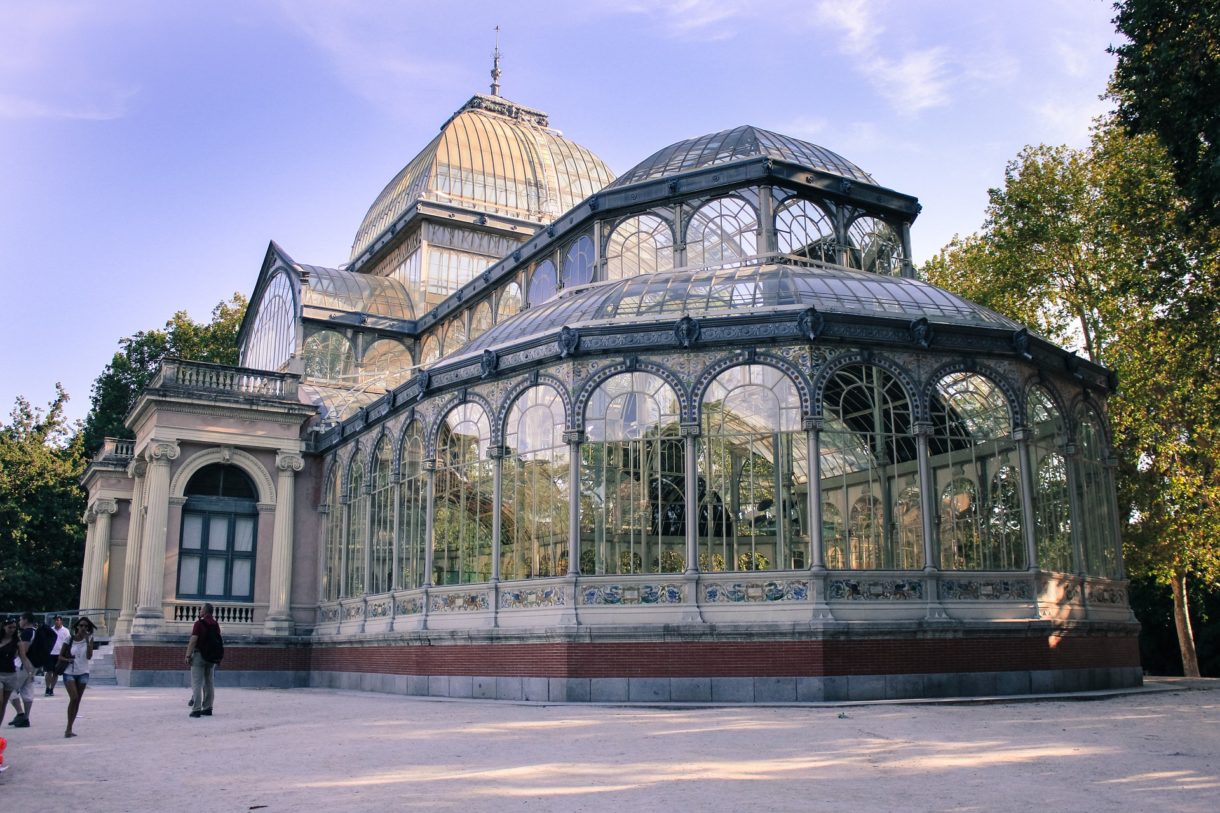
column 40, row 647
column 212, row 647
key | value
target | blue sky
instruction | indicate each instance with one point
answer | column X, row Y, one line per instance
column 150, row 150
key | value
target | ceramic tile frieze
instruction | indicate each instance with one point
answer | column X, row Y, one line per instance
column 874, row 589
column 743, row 592
column 532, row 597
column 410, row 605
column 628, row 594
column 986, row 590
column 1107, row 594
column 380, row 608
column 457, row 602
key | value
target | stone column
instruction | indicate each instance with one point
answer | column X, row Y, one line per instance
column 149, row 614
column 279, row 611
column 90, row 518
column 131, row 564
column 96, row 591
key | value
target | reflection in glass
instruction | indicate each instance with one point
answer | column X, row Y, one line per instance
column 578, row 262
column 387, row 363
column 329, row 357
column 381, row 537
column 357, row 506
column 1095, row 490
column 412, row 528
column 543, row 284
column 534, row 476
column 1052, row 504
column 753, row 473
column 633, row 513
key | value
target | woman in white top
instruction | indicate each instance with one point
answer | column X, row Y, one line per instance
column 76, row 676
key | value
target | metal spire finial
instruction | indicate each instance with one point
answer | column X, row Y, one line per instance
column 495, row 66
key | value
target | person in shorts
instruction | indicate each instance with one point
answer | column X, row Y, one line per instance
column 12, row 676
column 76, row 676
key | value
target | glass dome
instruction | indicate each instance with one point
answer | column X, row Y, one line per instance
column 753, row 288
column 492, row 156
column 738, row 144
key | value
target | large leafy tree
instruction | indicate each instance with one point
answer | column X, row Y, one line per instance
column 135, row 363
column 1167, row 83
column 1091, row 247
column 41, row 505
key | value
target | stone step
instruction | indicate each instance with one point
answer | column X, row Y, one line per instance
column 101, row 667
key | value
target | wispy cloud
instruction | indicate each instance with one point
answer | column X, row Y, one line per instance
column 686, row 20
column 910, row 81
column 47, row 70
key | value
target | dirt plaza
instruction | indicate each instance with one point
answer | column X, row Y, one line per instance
column 277, row 750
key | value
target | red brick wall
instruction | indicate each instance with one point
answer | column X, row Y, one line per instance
column 778, row 658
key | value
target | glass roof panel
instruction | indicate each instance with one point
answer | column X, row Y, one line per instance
column 739, row 143
column 351, row 292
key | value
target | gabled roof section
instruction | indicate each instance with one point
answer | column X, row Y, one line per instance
column 738, row 144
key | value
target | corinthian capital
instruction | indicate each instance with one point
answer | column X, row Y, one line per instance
column 289, row 461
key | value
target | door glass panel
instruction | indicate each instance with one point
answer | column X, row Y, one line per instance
column 192, row 531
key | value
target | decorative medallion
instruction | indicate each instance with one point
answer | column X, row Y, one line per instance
column 488, row 363
column 921, row 333
column 811, row 324
column 569, row 341
column 686, row 332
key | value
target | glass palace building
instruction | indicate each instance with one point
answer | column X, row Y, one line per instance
column 696, row 432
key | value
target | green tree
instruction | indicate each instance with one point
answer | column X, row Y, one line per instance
column 41, row 504
column 1167, row 83
column 1090, row 247
column 133, row 366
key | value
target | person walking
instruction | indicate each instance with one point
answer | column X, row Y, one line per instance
column 62, row 636
column 12, row 676
column 203, row 652
column 25, row 635
column 76, row 676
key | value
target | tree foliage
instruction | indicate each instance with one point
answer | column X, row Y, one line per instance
column 1167, row 83
column 135, row 363
column 41, row 505
column 1090, row 247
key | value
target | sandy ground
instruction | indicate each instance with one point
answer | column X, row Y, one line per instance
column 274, row 750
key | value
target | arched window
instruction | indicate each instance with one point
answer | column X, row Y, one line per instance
column 329, row 357
column 632, row 475
column 975, row 468
column 381, row 536
column 875, row 247
column 1052, row 504
column 639, row 245
column 534, row 478
column 908, row 526
column 332, row 566
column 273, row 337
column 480, row 319
column 412, row 525
column 543, row 284
column 219, row 526
column 869, row 454
column 723, row 230
column 387, row 362
column 464, row 479
column 804, row 229
column 455, row 335
column 1096, row 500
column 430, row 350
column 753, row 473
column 509, row 303
column 578, row 262
column 833, row 536
column 357, row 524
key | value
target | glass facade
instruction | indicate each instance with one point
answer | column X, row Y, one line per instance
column 461, row 543
column 535, row 477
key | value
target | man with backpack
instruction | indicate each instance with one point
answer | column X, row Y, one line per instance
column 203, row 651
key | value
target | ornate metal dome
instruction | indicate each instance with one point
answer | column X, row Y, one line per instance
column 734, row 145
column 492, row 156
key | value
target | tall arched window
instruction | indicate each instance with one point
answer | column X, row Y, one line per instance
column 1052, row 504
column 977, row 475
column 1096, row 499
column 509, row 302
column 875, row 247
column 632, row 476
column 464, row 479
column 543, row 283
column 753, row 473
column 908, row 525
column 430, row 351
column 578, row 262
column 219, row 526
column 534, row 478
column 723, row 230
column 455, row 335
column 639, row 245
column 803, row 228
column 332, row 565
column 868, row 455
column 329, row 357
column 381, row 536
column 412, row 526
column 357, row 524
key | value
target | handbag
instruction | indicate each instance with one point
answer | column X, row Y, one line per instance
column 64, row 661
